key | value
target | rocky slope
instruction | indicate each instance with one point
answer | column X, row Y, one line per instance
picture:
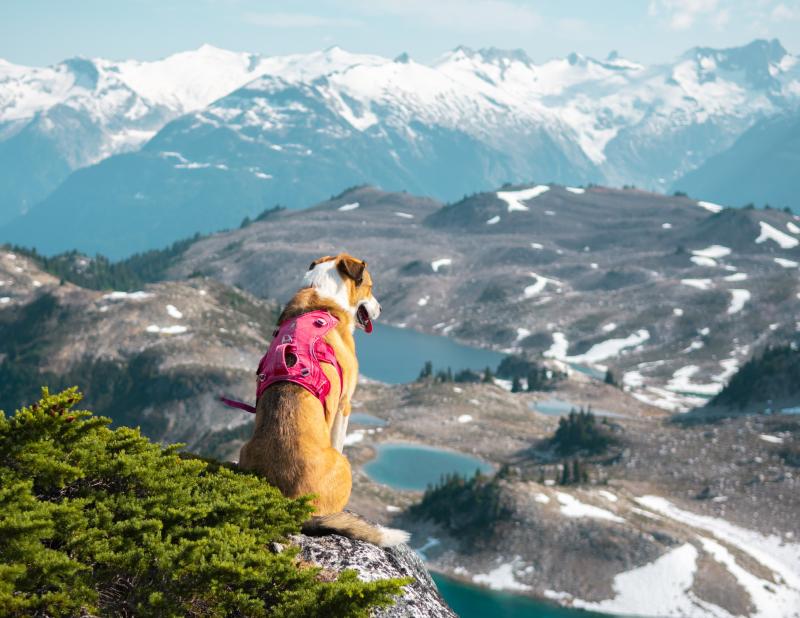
column 700, row 516
column 305, row 126
column 157, row 358
column 420, row 599
column 673, row 294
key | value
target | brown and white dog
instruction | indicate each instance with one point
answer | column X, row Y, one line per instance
column 297, row 444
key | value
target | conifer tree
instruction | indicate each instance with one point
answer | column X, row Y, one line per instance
column 95, row 521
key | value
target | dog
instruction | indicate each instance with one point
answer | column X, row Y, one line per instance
column 300, row 426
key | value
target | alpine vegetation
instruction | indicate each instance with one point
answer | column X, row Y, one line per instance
column 101, row 521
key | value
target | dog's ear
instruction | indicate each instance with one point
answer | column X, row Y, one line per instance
column 326, row 258
column 351, row 267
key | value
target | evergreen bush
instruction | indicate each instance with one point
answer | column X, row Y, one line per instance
column 95, row 521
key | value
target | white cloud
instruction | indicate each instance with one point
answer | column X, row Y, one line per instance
column 300, row 20
column 683, row 14
column 686, row 14
column 782, row 12
column 463, row 15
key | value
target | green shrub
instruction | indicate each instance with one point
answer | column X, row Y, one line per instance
column 101, row 521
column 579, row 432
column 468, row 508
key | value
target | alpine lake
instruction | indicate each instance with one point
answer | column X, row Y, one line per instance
column 396, row 355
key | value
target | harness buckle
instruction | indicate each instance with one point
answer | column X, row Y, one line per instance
column 305, row 371
column 320, row 322
column 261, row 377
column 286, row 339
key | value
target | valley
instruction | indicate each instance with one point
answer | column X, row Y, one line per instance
column 579, row 279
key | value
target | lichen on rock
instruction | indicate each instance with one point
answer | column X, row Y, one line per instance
column 420, row 599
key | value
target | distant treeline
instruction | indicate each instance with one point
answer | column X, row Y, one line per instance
column 515, row 368
column 100, row 273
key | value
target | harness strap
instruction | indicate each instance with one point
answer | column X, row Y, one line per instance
column 233, row 403
column 308, row 348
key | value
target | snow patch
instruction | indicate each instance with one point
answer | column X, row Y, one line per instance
column 738, row 299
column 167, row 330
column 792, row 227
column 778, row 598
column 514, row 199
column 660, row 588
column 575, row 190
column 437, row 264
column 501, row 578
column 127, row 295
column 464, row 418
column 736, row 277
column 700, row 284
column 534, row 289
column 542, row 498
column 714, row 251
column 607, row 495
column 783, row 240
column 173, row 312
column 347, row 207
column 786, row 263
column 703, row 261
column 710, row 206
column 559, row 347
column 771, row 439
column 404, row 215
column 572, row 507
column 493, row 220
column 681, row 382
column 611, row 347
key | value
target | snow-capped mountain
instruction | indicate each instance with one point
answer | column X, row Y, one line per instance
column 56, row 119
column 305, row 126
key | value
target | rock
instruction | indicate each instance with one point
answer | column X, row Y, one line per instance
column 337, row 553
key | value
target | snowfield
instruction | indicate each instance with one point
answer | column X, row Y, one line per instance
column 773, row 599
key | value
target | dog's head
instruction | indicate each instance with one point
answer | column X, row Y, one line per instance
column 345, row 280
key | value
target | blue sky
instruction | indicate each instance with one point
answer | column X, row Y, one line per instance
column 39, row 32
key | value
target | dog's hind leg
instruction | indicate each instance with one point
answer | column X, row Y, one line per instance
column 339, row 428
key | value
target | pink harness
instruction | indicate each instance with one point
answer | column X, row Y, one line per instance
column 295, row 354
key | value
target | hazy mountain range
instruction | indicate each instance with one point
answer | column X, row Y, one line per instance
column 122, row 156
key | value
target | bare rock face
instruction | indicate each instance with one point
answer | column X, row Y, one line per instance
column 337, row 553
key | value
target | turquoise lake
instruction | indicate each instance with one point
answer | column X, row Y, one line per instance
column 560, row 407
column 411, row 467
column 473, row 602
column 396, row 355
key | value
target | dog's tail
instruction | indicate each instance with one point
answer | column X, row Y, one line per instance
column 354, row 527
